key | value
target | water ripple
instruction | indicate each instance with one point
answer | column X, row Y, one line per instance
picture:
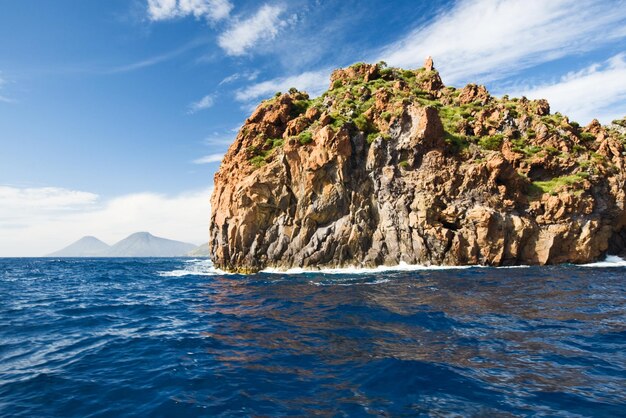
column 173, row 337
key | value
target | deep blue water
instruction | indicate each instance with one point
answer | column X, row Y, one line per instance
column 166, row 337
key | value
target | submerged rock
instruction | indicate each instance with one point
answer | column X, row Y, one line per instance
column 391, row 166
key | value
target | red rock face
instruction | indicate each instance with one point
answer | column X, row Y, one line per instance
column 390, row 166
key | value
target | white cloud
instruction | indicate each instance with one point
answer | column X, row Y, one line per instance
column 211, row 158
column 212, row 10
column 51, row 198
column 246, row 75
column 313, row 82
column 221, row 139
column 204, row 103
column 481, row 40
column 162, row 9
column 3, row 98
column 37, row 221
column 157, row 59
column 598, row 91
column 244, row 34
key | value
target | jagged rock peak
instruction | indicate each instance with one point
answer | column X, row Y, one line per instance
column 389, row 165
column 428, row 64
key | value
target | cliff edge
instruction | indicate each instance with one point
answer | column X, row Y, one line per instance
column 390, row 166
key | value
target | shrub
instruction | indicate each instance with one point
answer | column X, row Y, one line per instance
column 258, row 160
column 408, row 74
column 293, row 90
column 337, row 84
column 457, row 143
column 357, row 65
column 552, row 150
column 386, row 116
column 386, row 71
column 587, row 136
column 492, row 143
column 338, row 120
column 298, row 107
column 274, row 142
column 620, row 122
column 362, row 123
column 372, row 137
column 305, row 137
column 404, row 164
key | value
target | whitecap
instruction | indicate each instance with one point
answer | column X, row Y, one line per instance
column 402, row 266
column 195, row 268
column 348, row 283
column 204, row 267
column 609, row 261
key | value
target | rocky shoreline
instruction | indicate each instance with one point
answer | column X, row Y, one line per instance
column 391, row 166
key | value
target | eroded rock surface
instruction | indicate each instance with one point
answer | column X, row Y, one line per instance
column 391, row 166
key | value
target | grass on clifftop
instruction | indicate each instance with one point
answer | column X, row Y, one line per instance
column 475, row 123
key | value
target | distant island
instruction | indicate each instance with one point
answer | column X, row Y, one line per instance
column 390, row 165
column 139, row 244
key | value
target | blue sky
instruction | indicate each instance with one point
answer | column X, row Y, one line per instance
column 114, row 114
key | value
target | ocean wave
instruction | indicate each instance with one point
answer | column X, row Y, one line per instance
column 102, row 337
column 402, row 266
column 195, row 267
column 348, row 282
column 609, row 261
column 204, row 267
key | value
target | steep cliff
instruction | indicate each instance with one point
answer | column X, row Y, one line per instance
column 390, row 166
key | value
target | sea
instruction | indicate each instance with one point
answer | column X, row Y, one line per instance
column 177, row 338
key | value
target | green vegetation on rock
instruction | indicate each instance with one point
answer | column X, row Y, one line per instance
column 492, row 143
column 553, row 185
column 305, row 137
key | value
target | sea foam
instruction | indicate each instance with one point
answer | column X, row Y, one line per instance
column 609, row 261
column 204, row 267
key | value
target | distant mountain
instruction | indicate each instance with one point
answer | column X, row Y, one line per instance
column 139, row 244
column 144, row 244
column 199, row 251
column 84, row 247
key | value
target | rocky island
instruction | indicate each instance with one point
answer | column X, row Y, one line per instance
column 391, row 166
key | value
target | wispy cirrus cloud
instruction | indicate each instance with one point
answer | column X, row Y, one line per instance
column 482, row 40
column 156, row 59
column 14, row 200
column 37, row 221
column 204, row 103
column 221, row 140
column 245, row 75
column 3, row 98
column 314, row 82
column 212, row 10
column 208, row 159
column 243, row 35
column 485, row 40
column 598, row 91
